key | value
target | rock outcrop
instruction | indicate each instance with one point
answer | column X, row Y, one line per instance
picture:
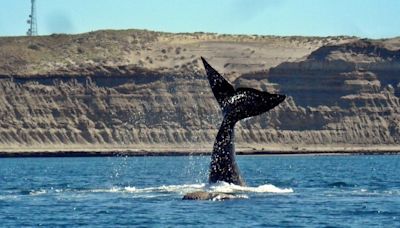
column 145, row 89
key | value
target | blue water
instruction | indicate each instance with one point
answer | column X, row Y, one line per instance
column 285, row 191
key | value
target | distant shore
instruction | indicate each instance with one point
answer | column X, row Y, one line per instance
column 98, row 151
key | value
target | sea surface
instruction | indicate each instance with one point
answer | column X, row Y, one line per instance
column 284, row 191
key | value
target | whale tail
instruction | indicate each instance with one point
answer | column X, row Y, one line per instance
column 240, row 103
column 236, row 104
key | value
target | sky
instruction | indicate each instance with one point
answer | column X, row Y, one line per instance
column 362, row 18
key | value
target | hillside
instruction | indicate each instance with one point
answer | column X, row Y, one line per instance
column 143, row 90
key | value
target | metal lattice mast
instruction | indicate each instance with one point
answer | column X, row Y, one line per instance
column 32, row 31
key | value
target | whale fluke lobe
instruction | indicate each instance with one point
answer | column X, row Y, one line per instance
column 220, row 87
column 236, row 104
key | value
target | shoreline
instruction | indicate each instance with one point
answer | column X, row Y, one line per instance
column 177, row 154
column 194, row 151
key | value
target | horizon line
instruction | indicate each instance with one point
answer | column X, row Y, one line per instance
column 204, row 32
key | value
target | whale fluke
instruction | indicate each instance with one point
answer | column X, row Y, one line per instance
column 236, row 104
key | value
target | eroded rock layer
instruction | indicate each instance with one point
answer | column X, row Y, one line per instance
column 134, row 88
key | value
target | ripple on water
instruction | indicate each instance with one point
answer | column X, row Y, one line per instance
column 283, row 192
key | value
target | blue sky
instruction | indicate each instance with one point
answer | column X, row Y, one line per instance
column 363, row 18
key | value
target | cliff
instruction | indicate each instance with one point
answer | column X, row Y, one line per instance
column 147, row 90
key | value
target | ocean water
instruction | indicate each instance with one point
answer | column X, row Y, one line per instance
column 284, row 191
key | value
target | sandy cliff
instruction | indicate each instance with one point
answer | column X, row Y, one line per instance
column 147, row 90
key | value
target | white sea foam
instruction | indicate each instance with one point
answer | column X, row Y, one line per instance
column 8, row 197
column 37, row 192
column 231, row 188
column 100, row 190
column 158, row 189
column 220, row 197
column 164, row 190
column 220, row 187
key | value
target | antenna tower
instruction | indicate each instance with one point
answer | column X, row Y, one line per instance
column 32, row 31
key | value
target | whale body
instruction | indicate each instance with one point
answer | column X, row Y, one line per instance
column 236, row 104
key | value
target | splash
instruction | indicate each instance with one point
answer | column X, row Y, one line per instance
column 162, row 191
column 231, row 188
column 184, row 188
column 220, row 187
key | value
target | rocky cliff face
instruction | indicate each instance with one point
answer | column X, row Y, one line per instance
column 138, row 88
column 341, row 94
